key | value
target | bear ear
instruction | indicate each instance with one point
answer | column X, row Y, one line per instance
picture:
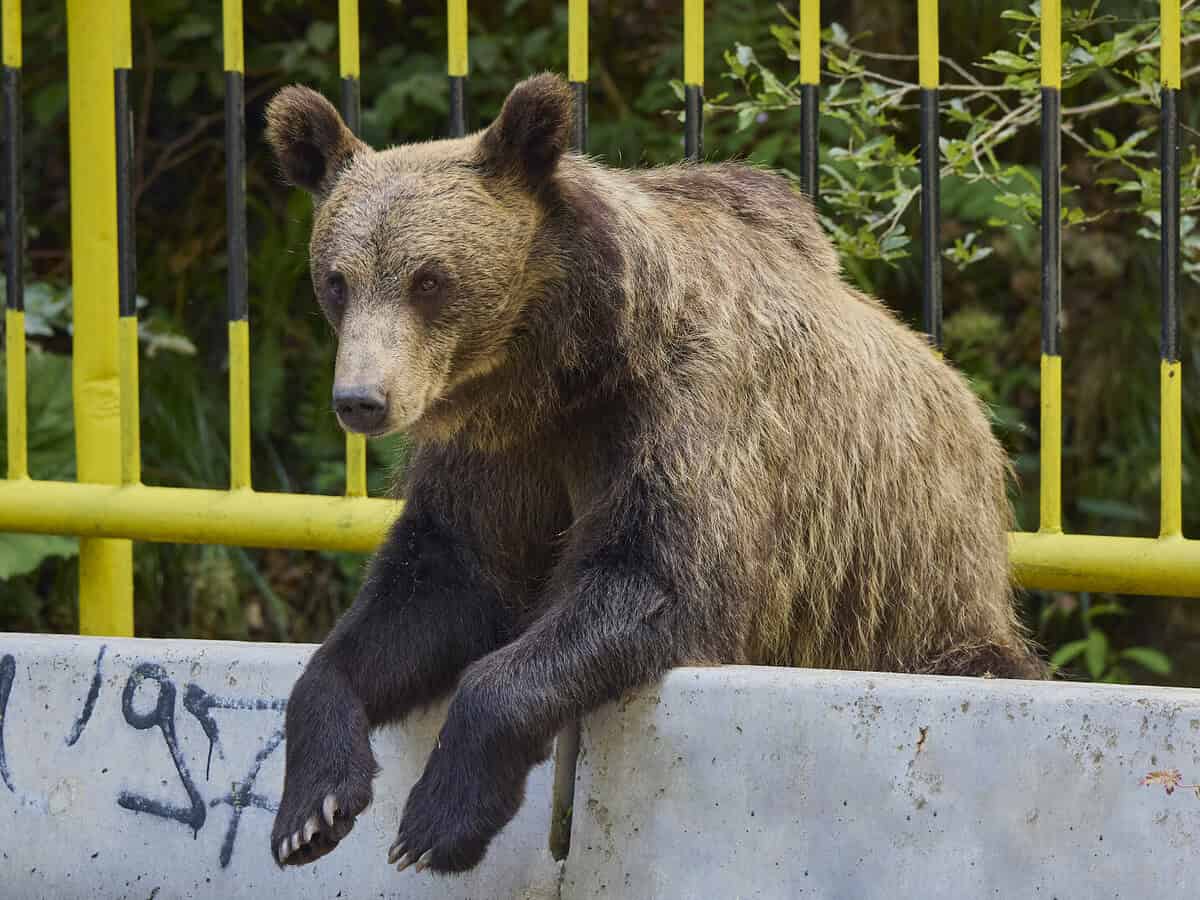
column 532, row 131
column 310, row 140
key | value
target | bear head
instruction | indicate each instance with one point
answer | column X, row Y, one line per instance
column 423, row 256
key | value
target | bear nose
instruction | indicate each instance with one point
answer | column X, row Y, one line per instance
column 360, row 407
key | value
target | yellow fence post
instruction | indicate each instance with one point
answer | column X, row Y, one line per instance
column 131, row 439
column 577, row 69
column 1050, row 438
column 810, row 98
column 457, row 64
column 1171, row 372
column 929, row 69
column 105, row 566
column 235, row 217
column 14, row 307
column 693, row 79
column 356, row 444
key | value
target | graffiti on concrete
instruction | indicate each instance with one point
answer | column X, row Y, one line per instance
column 149, row 701
column 200, row 703
column 89, row 704
column 242, row 795
column 161, row 717
column 8, row 669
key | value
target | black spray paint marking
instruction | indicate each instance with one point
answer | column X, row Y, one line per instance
column 200, row 703
column 8, row 670
column 243, row 796
column 162, row 717
column 90, row 703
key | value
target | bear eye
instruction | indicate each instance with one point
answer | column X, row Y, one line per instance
column 429, row 289
column 335, row 290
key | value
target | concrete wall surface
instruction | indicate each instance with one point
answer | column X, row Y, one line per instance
column 151, row 769
column 746, row 782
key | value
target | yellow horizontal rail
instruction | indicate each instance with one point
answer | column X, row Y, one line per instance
column 243, row 518
column 1167, row 566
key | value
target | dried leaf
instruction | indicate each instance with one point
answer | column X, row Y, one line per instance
column 1168, row 778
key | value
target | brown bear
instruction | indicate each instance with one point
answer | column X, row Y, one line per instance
column 653, row 427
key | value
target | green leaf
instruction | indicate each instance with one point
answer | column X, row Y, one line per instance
column 181, row 86
column 321, row 35
column 22, row 553
column 773, row 87
column 1148, row 658
column 192, row 29
column 745, row 56
column 51, row 432
column 1067, row 653
column 1004, row 61
column 1107, row 138
column 1105, row 609
column 731, row 60
column 1097, row 652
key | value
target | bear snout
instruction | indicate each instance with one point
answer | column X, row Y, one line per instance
column 360, row 407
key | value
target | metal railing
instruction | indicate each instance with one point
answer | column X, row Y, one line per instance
column 109, row 506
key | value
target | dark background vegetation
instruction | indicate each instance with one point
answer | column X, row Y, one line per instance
column 1111, row 280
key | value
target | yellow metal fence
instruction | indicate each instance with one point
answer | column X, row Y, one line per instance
column 108, row 507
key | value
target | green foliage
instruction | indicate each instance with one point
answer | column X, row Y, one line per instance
column 1101, row 660
column 869, row 180
column 51, row 446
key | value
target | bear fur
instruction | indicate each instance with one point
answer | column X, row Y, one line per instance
column 652, row 427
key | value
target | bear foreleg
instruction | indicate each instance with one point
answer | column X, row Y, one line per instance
column 424, row 612
column 615, row 629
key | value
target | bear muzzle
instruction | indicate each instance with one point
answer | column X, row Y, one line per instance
column 361, row 407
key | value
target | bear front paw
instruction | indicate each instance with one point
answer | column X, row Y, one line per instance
column 451, row 817
column 313, row 818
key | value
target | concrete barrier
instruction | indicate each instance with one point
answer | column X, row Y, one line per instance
column 744, row 782
column 151, row 769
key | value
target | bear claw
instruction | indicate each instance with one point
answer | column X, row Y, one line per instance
column 404, row 858
column 317, row 837
column 319, row 825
